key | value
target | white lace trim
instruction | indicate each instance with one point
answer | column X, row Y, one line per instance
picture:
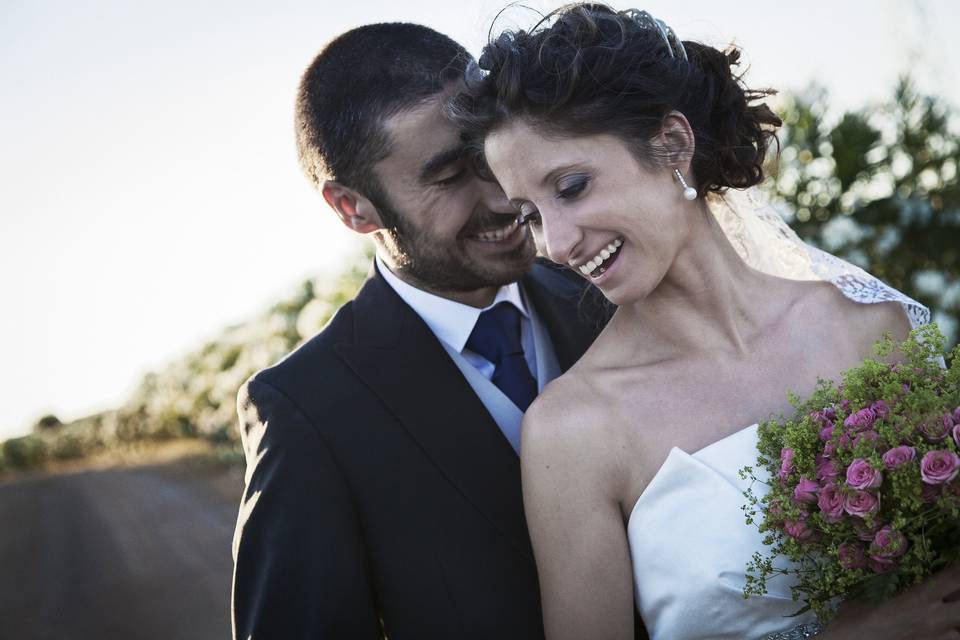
column 766, row 243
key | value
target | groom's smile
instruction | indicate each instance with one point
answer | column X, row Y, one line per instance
column 452, row 231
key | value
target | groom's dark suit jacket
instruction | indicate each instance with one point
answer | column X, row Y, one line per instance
column 381, row 496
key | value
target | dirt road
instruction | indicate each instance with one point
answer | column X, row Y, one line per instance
column 132, row 554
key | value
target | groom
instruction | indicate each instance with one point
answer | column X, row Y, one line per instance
column 383, row 479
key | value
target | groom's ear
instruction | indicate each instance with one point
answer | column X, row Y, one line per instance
column 355, row 211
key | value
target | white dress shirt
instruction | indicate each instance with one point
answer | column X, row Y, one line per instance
column 452, row 322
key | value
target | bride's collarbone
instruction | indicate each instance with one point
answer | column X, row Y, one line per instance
column 691, row 408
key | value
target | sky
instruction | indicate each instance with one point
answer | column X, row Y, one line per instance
column 149, row 189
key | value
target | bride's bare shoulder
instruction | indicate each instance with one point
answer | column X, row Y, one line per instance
column 831, row 327
column 867, row 320
column 568, row 424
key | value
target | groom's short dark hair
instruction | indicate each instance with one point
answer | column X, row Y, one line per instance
column 357, row 81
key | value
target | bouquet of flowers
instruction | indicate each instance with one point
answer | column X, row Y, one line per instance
column 864, row 481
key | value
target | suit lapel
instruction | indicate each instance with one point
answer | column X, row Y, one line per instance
column 402, row 362
column 572, row 315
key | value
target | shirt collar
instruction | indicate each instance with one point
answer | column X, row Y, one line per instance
column 452, row 322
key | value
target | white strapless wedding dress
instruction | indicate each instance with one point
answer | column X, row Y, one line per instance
column 690, row 548
column 689, row 541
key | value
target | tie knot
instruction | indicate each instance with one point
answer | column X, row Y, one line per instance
column 497, row 333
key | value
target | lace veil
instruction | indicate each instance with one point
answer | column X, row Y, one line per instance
column 767, row 244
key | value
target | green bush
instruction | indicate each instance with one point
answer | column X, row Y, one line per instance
column 27, row 452
column 69, row 446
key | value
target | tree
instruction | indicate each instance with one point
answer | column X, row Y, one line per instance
column 47, row 423
column 879, row 188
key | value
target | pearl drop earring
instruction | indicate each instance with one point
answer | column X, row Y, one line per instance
column 688, row 192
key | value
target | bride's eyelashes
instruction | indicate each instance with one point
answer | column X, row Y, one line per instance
column 570, row 187
column 528, row 215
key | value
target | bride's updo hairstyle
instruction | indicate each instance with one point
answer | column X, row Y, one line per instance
column 586, row 69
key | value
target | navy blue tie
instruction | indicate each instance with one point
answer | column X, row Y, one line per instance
column 496, row 337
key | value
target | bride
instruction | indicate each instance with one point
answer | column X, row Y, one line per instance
column 616, row 142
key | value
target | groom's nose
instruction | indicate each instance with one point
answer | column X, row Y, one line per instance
column 492, row 198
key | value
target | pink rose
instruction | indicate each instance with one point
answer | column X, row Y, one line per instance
column 827, row 432
column 845, row 442
column 860, row 420
column 888, row 543
column 881, row 409
column 827, row 470
column 829, row 449
column 852, row 556
column 806, row 490
column 860, row 475
column 956, row 434
column 825, row 416
column 939, row 467
column 934, row 430
column 956, row 415
column 830, row 502
column 798, row 529
column 786, row 463
column 898, row 456
column 861, row 503
column 881, row 565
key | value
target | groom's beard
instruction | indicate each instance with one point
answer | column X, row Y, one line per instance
column 445, row 264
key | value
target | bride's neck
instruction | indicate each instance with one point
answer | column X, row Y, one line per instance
column 709, row 299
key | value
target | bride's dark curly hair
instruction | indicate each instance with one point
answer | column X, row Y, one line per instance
column 587, row 69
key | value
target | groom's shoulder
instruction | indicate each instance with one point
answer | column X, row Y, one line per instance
column 568, row 291
column 549, row 272
column 314, row 361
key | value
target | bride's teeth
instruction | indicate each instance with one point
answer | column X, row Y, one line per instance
column 605, row 253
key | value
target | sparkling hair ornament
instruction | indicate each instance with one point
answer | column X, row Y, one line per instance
column 668, row 35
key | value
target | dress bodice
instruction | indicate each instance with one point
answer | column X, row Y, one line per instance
column 690, row 547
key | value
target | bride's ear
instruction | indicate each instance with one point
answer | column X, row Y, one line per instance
column 354, row 209
column 676, row 141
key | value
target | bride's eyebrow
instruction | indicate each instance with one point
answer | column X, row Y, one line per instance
column 552, row 176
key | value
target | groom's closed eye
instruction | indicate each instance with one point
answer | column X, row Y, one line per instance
column 445, row 168
column 455, row 174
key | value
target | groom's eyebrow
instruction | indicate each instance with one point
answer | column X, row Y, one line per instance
column 439, row 161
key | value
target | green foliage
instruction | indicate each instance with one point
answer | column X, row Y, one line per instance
column 27, row 452
column 879, row 187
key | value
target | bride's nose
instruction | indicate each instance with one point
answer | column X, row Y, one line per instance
column 560, row 238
